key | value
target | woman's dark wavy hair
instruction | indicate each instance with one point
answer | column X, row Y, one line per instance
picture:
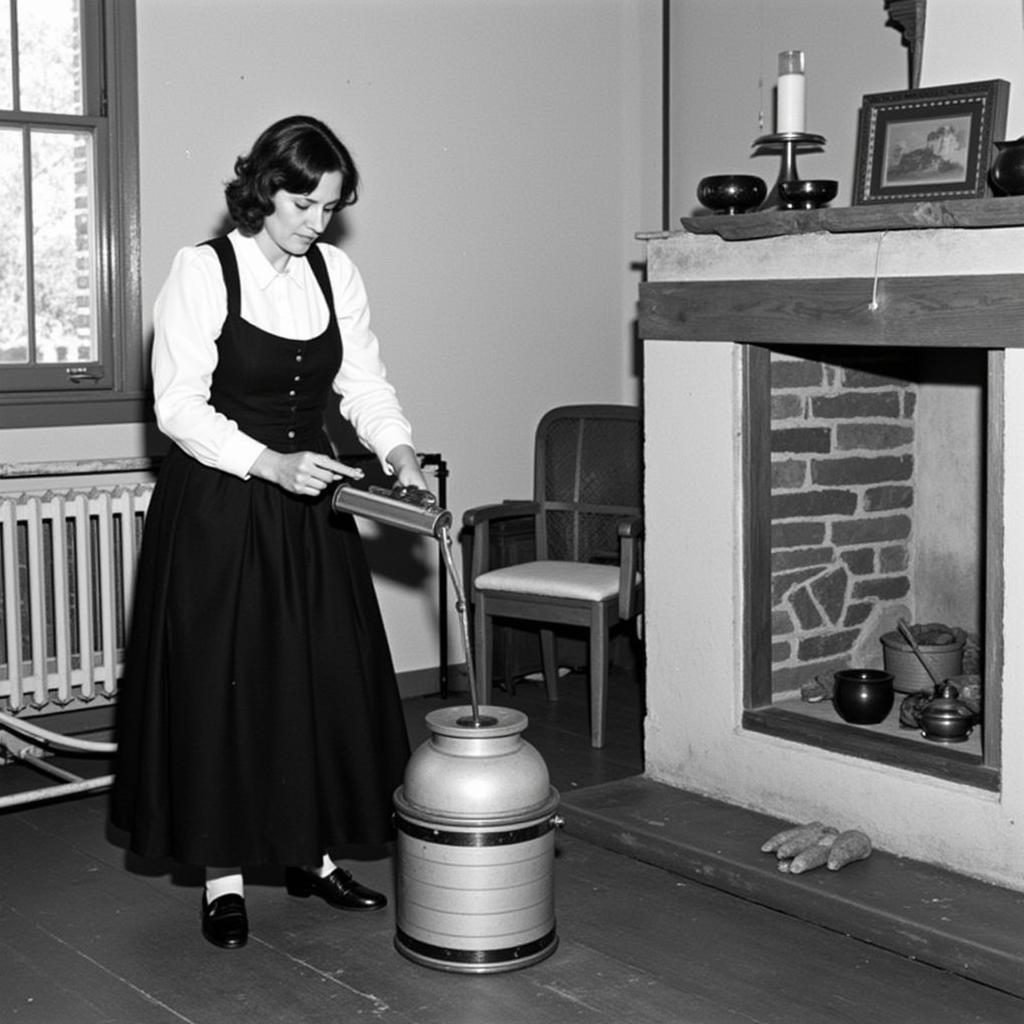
column 292, row 154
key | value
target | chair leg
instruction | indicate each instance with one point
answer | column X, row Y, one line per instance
column 508, row 675
column 549, row 662
column 483, row 629
column 599, row 658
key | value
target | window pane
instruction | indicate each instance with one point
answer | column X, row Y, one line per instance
column 50, row 56
column 13, row 288
column 69, row 331
column 62, row 242
column 6, row 82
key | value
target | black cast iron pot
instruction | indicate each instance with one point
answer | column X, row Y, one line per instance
column 863, row 696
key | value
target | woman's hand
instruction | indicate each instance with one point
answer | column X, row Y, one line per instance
column 306, row 473
column 403, row 460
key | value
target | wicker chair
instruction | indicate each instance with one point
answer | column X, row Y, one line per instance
column 588, row 464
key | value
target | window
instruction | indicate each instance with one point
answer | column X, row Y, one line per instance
column 70, row 323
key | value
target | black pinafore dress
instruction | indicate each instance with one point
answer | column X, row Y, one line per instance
column 259, row 720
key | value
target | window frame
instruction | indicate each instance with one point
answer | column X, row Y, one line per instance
column 121, row 396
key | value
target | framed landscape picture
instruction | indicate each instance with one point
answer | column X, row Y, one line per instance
column 928, row 144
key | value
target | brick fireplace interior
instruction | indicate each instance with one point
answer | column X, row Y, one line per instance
column 862, row 441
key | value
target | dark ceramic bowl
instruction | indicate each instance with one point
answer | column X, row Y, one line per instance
column 863, row 696
column 807, row 195
column 731, row 193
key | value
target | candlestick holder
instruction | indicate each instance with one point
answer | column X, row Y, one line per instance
column 787, row 144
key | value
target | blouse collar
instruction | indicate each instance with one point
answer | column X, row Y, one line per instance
column 250, row 255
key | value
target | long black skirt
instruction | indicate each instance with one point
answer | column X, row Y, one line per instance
column 259, row 720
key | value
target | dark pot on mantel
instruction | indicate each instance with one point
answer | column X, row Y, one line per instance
column 1007, row 171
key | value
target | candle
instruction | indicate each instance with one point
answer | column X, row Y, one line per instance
column 791, row 94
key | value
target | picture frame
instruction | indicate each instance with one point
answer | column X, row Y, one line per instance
column 922, row 145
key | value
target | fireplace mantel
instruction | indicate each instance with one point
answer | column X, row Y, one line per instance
column 914, row 275
column 887, row 286
column 1001, row 212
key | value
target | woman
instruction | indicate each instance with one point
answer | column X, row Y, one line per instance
column 259, row 719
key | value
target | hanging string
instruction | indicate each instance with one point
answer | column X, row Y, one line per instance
column 873, row 304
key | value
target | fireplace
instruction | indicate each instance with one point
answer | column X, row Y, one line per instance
column 832, row 352
column 858, row 534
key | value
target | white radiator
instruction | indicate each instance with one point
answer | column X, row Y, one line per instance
column 67, row 561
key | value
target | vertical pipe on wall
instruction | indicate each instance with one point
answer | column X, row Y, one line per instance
column 666, row 108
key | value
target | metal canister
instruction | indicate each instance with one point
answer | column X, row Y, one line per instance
column 475, row 817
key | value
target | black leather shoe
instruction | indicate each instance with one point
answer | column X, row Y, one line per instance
column 339, row 889
column 225, row 922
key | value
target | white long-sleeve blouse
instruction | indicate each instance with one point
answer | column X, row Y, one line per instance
column 190, row 312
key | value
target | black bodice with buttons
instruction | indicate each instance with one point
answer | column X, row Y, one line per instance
column 275, row 388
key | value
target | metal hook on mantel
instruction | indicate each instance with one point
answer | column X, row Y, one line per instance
column 873, row 304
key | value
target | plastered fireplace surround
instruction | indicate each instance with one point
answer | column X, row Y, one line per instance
column 711, row 308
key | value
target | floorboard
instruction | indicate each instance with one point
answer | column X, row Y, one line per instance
column 91, row 935
column 901, row 905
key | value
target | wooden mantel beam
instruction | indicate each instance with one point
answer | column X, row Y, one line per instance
column 977, row 311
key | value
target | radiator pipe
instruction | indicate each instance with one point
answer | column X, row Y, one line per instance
column 54, row 739
column 41, row 764
column 53, row 792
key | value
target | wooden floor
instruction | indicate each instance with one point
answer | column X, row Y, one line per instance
column 88, row 936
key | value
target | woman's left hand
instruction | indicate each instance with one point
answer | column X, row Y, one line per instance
column 403, row 460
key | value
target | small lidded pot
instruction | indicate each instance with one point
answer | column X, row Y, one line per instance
column 863, row 696
column 946, row 718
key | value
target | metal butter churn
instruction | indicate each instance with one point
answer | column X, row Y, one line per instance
column 476, row 811
column 476, row 849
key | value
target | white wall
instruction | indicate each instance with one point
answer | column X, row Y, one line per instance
column 989, row 44
column 723, row 66
column 509, row 151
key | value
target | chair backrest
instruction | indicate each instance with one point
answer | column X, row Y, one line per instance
column 588, row 475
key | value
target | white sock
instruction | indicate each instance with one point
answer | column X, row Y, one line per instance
column 222, row 881
column 326, row 867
